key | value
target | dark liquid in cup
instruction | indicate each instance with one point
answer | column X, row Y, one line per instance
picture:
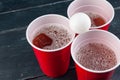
column 96, row 56
column 52, row 36
column 96, row 19
column 42, row 40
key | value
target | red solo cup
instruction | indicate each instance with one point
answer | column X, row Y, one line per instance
column 53, row 63
column 99, row 7
column 95, row 36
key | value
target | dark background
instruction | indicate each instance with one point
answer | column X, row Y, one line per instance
column 17, row 60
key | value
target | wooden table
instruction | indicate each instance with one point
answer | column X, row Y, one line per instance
column 17, row 60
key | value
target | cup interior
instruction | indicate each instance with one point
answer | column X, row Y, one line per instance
column 97, row 36
column 36, row 25
column 100, row 7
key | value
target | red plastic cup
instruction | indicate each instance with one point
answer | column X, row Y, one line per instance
column 100, row 7
column 97, row 36
column 53, row 63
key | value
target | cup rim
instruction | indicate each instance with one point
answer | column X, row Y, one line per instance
column 45, row 50
column 90, row 70
column 107, row 23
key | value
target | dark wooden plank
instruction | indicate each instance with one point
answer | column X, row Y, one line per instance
column 17, row 59
column 24, row 17
column 116, row 75
column 9, row 5
column 70, row 75
column 115, row 24
column 115, row 3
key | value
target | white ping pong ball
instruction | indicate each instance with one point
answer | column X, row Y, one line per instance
column 80, row 23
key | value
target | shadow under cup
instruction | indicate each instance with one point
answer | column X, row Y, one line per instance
column 100, row 7
column 53, row 63
column 95, row 36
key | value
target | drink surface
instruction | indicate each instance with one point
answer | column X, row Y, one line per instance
column 96, row 56
column 55, row 36
column 96, row 19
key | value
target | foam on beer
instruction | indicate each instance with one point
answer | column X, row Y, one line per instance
column 80, row 23
column 52, row 36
